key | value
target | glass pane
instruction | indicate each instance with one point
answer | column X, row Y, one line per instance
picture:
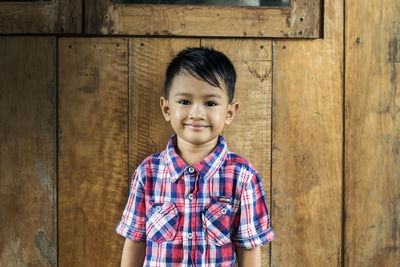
column 209, row 2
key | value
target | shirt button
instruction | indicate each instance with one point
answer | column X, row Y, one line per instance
column 191, row 170
column 224, row 211
column 190, row 196
column 189, row 235
column 158, row 209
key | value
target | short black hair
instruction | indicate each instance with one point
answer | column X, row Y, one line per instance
column 206, row 64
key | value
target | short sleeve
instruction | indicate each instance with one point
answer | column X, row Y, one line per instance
column 251, row 224
column 133, row 222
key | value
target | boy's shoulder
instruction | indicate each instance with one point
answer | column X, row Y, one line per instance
column 154, row 158
column 233, row 159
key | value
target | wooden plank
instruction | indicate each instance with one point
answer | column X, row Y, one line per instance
column 70, row 16
column 250, row 133
column 302, row 19
column 97, row 19
column 41, row 17
column 307, row 147
column 306, row 18
column 148, row 131
column 28, row 17
column 372, row 158
column 93, row 143
column 28, row 187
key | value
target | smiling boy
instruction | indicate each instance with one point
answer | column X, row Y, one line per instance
column 196, row 203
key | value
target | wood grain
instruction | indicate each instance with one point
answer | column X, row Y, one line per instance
column 372, row 157
column 28, row 185
column 97, row 17
column 57, row 16
column 70, row 16
column 93, row 149
column 148, row 131
column 28, row 17
column 307, row 137
column 189, row 20
column 250, row 133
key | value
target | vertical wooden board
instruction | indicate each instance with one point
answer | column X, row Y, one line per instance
column 306, row 18
column 307, row 136
column 148, row 131
column 250, row 133
column 28, row 193
column 93, row 149
column 372, row 158
column 97, row 17
column 70, row 16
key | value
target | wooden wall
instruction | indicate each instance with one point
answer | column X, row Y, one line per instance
column 28, row 151
column 93, row 148
column 307, row 140
column 318, row 118
column 372, row 134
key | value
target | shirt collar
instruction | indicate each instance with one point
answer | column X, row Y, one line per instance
column 206, row 167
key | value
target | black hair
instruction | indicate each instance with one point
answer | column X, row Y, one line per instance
column 206, row 64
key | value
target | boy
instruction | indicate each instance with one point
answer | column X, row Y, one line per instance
column 196, row 203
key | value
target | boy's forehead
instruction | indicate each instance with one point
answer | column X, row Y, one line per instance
column 185, row 82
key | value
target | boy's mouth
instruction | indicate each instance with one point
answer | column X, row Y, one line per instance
column 196, row 126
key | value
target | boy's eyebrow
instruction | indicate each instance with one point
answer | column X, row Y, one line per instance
column 211, row 95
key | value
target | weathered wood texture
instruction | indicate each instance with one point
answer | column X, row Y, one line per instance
column 302, row 19
column 70, row 16
column 250, row 133
column 307, row 147
column 57, row 16
column 93, row 149
column 148, row 58
column 28, row 193
column 372, row 142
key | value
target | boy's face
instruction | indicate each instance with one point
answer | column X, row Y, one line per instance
column 198, row 111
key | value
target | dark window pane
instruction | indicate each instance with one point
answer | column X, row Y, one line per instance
column 210, row 2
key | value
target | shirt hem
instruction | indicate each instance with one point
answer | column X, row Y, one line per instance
column 131, row 233
column 255, row 241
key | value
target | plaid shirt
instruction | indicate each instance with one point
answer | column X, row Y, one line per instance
column 196, row 215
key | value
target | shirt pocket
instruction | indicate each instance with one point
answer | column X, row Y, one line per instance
column 161, row 221
column 216, row 222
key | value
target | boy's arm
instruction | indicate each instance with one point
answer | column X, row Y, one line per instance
column 249, row 257
column 133, row 253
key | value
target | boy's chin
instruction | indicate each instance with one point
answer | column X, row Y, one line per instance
column 198, row 141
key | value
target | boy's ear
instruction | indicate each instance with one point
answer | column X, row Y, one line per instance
column 165, row 108
column 232, row 108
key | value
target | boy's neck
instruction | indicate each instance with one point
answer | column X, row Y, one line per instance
column 192, row 154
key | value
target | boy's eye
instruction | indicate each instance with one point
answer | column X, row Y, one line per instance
column 210, row 104
column 184, row 102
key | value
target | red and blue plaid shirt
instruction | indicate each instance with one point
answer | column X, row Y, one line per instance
column 196, row 215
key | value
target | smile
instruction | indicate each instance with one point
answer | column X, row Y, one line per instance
column 196, row 126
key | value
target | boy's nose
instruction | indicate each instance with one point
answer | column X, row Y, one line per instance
column 196, row 112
